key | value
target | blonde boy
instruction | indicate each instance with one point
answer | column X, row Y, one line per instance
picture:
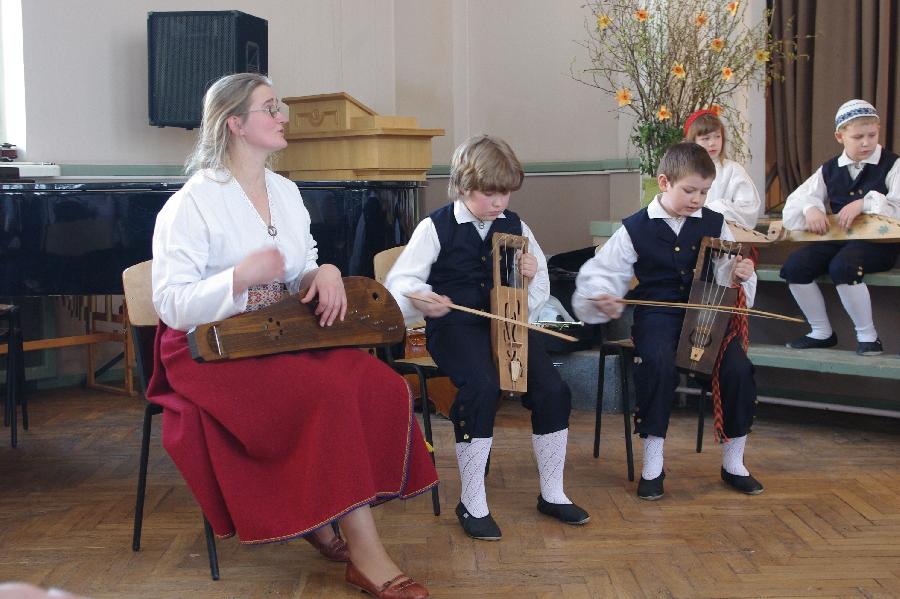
column 864, row 179
column 448, row 258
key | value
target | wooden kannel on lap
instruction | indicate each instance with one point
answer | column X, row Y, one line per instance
column 373, row 319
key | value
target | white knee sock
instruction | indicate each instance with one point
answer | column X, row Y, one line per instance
column 858, row 305
column 812, row 303
column 550, row 453
column 472, row 458
column 733, row 456
column 653, row 457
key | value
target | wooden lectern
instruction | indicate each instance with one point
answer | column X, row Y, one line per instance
column 335, row 137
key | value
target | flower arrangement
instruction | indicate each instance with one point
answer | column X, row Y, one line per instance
column 663, row 59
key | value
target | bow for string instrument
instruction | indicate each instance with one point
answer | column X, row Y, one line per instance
column 509, row 298
column 373, row 319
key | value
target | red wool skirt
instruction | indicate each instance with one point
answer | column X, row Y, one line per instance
column 275, row 447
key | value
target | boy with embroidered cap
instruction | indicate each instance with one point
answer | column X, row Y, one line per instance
column 659, row 245
column 448, row 258
column 863, row 179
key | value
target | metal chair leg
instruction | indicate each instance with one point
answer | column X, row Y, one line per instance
column 12, row 387
column 627, row 403
column 701, row 401
column 149, row 410
column 601, row 373
column 211, row 549
column 20, row 374
column 426, row 424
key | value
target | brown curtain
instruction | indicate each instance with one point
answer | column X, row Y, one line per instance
column 853, row 53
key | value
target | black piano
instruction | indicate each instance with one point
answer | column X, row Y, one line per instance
column 77, row 238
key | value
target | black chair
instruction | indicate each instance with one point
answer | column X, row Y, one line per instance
column 15, row 372
column 424, row 368
column 142, row 320
column 616, row 343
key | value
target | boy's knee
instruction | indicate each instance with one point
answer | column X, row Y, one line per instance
column 844, row 273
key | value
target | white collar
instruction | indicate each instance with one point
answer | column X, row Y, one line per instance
column 844, row 160
column 655, row 210
column 464, row 215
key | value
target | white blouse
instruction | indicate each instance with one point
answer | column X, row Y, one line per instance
column 611, row 269
column 733, row 194
column 412, row 268
column 206, row 229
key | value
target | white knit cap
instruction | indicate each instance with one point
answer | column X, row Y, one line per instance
column 853, row 109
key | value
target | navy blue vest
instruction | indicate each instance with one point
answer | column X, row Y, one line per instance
column 463, row 269
column 842, row 189
column 665, row 263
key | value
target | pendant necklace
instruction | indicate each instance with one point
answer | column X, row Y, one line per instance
column 271, row 229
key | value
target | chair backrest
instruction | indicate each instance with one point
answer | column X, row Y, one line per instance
column 384, row 261
column 141, row 316
column 139, row 295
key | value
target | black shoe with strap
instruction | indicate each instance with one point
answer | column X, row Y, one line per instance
column 869, row 348
column 483, row 529
column 744, row 484
column 807, row 342
column 567, row 513
column 651, row 490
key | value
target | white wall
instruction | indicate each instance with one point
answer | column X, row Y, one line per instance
column 500, row 66
column 503, row 67
column 86, row 69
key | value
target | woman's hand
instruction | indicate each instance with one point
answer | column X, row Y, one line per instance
column 436, row 308
column 848, row 213
column 816, row 221
column 609, row 305
column 329, row 288
column 528, row 265
column 743, row 270
column 259, row 267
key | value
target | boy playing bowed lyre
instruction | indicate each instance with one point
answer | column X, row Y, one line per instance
column 659, row 245
column 448, row 258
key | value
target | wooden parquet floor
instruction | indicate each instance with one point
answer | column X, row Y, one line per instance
column 828, row 524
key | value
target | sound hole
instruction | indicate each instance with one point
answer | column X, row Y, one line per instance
column 375, row 295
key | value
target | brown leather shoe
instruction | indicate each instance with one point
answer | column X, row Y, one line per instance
column 399, row 587
column 336, row 550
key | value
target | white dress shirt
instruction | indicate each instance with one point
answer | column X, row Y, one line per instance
column 206, row 229
column 611, row 269
column 733, row 194
column 813, row 193
column 411, row 270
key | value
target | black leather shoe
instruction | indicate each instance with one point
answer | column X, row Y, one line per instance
column 744, row 484
column 869, row 348
column 483, row 529
column 651, row 490
column 807, row 342
column 567, row 513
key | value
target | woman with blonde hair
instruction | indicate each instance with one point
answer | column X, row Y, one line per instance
column 279, row 446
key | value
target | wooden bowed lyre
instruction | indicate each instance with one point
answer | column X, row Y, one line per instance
column 704, row 328
column 373, row 319
column 509, row 299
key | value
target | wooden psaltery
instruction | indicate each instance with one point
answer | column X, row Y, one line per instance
column 509, row 298
column 870, row 227
column 704, row 330
column 373, row 318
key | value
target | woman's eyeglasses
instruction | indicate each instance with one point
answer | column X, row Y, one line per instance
column 273, row 109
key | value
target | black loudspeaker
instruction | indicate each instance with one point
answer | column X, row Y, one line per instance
column 189, row 50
